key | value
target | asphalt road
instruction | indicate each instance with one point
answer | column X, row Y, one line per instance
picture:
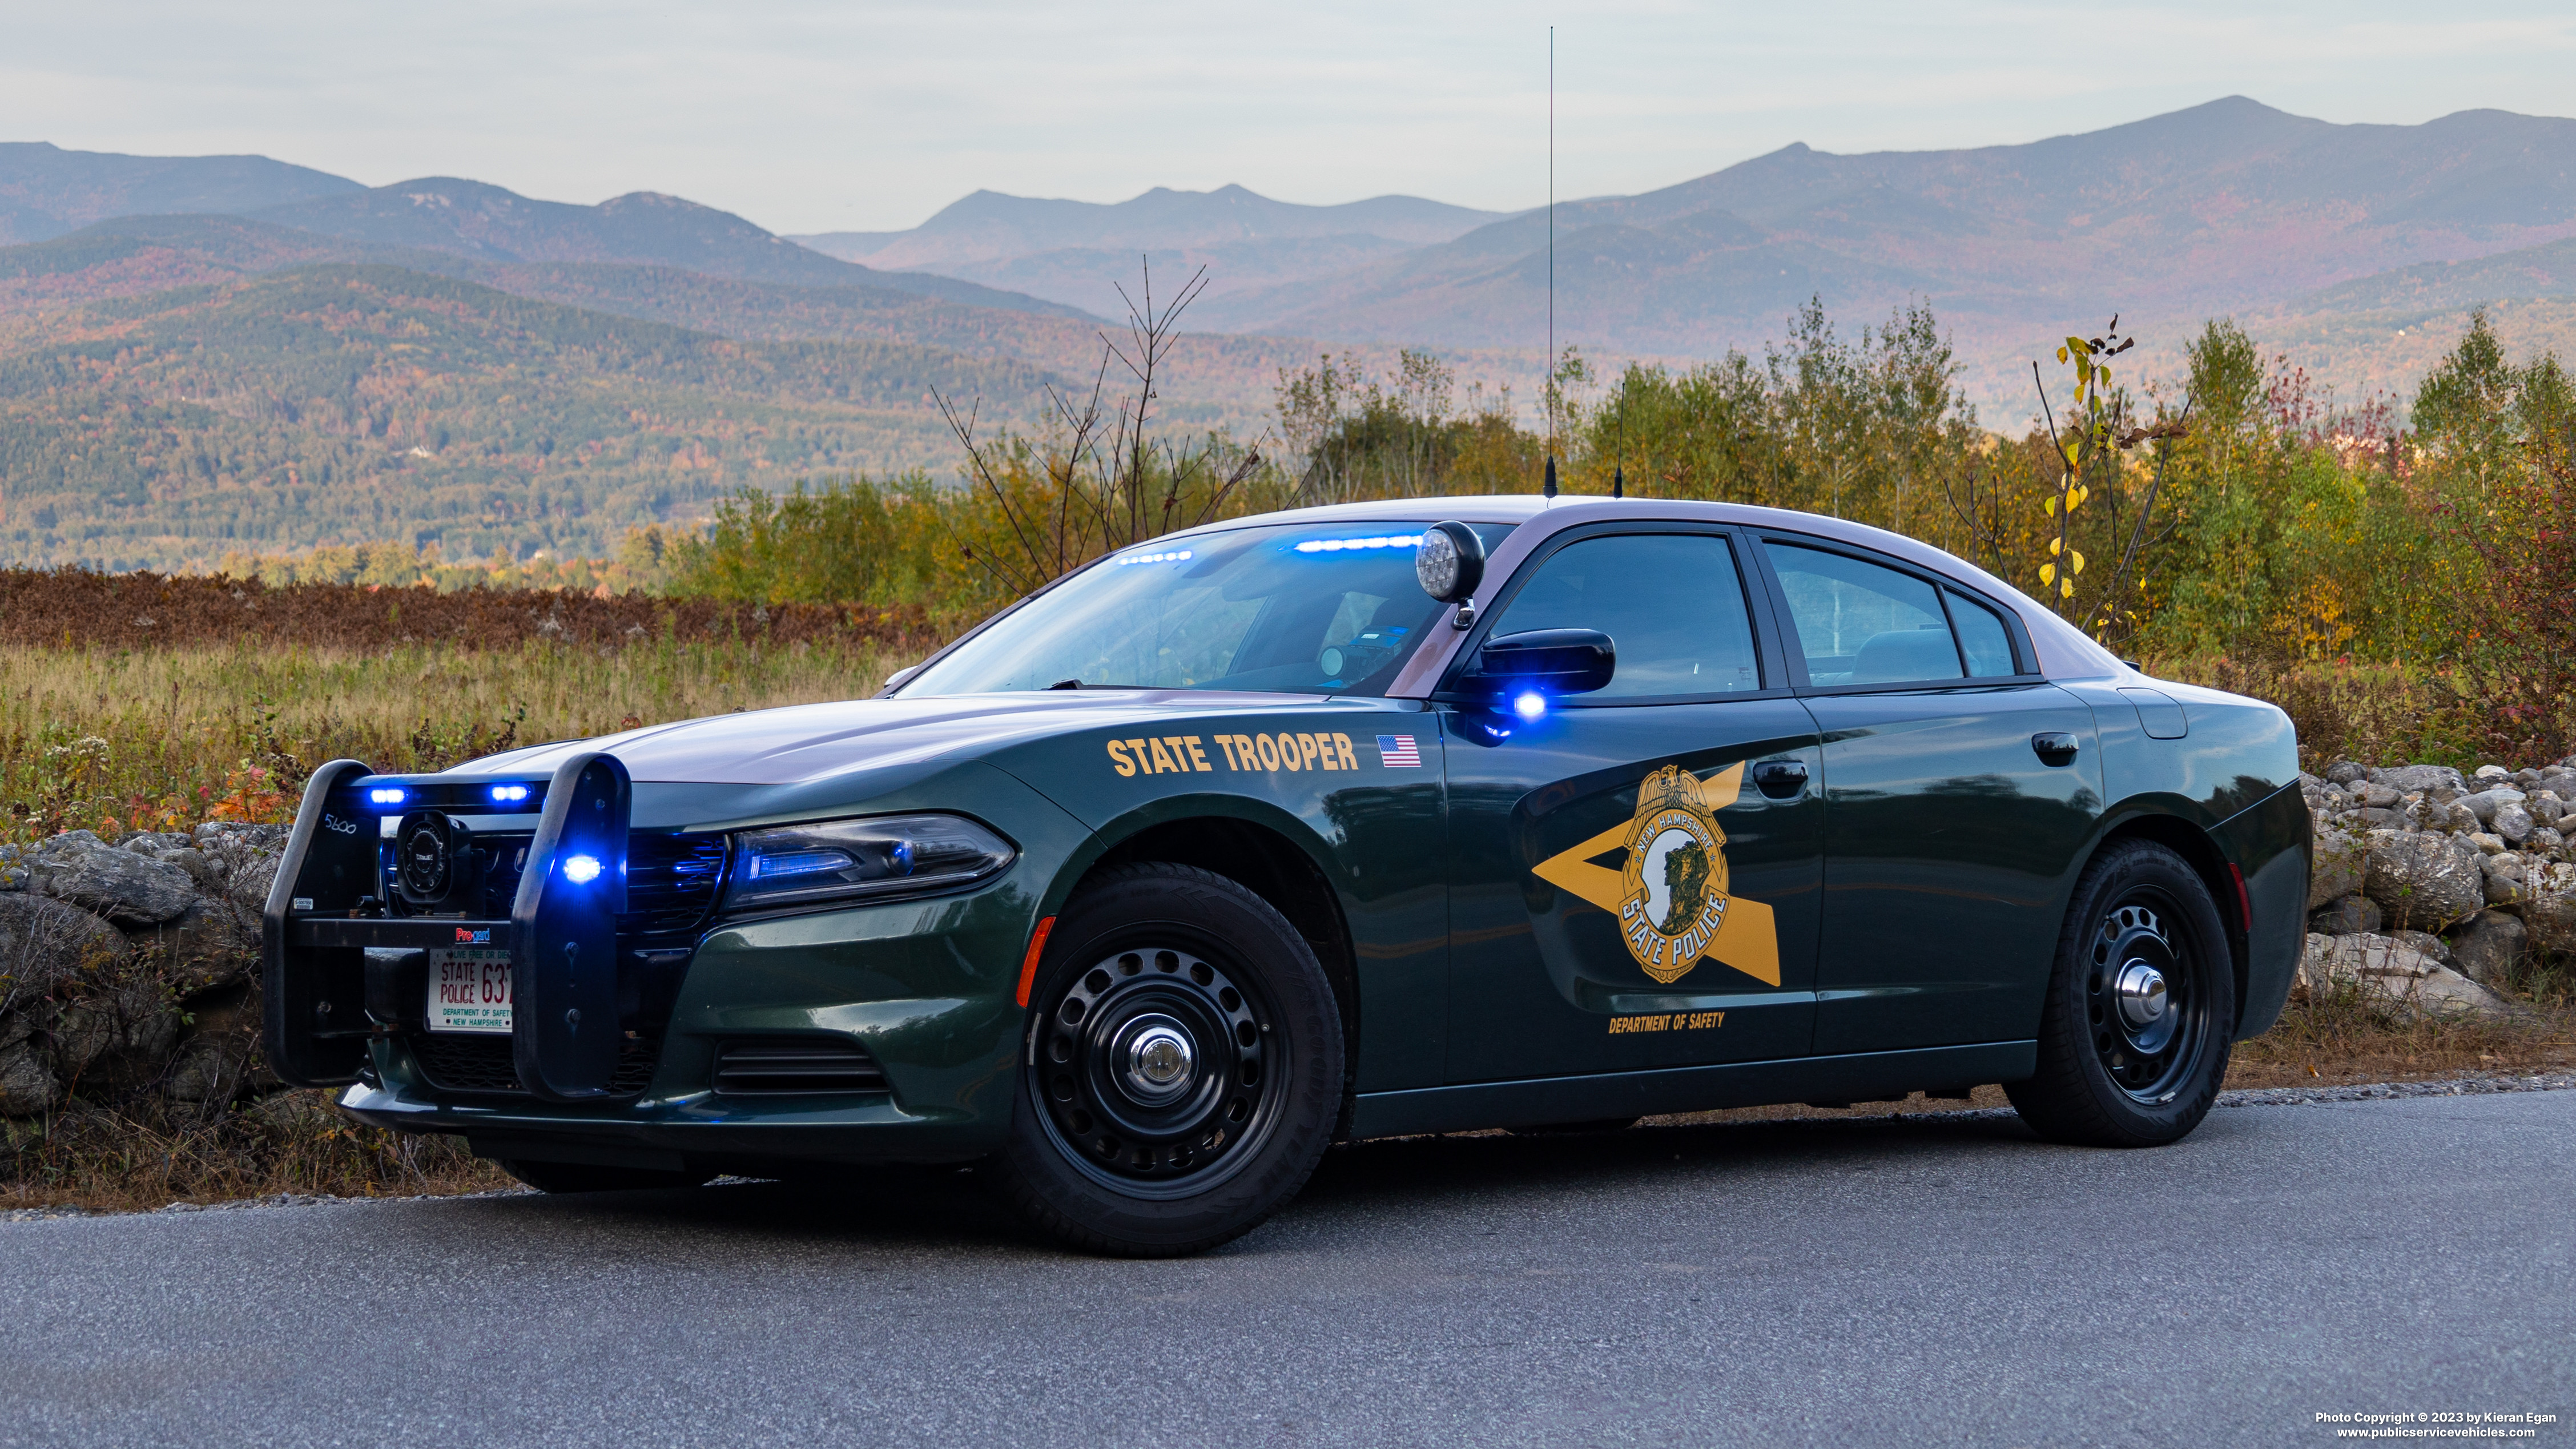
column 1933, row 1281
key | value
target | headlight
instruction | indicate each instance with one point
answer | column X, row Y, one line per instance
column 892, row 855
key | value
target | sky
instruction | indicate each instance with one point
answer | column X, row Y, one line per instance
column 807, row 116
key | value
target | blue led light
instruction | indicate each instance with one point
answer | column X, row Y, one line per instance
column 384, row 797
column 509, row 794
column 1339, row 545
column 797, row 862
column 581, row 869
column 1530, row 705
column 1171, row 556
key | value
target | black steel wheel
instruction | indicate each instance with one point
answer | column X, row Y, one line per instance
column 2141, row 1007
column 1182, row 1067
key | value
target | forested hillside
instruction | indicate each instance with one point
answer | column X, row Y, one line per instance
column 345, row 401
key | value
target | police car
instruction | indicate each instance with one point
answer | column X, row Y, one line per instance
column 1352, row 822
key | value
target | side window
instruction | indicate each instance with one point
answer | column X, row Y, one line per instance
column 1672, row 603
column 1860, row 623
column 1981, row 637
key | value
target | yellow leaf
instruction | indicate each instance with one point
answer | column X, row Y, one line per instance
column 2066, row 590
column 2054, row 545
column 2048, row 573
column 2079, row 562
column 2052, row 506
column 2061, row 354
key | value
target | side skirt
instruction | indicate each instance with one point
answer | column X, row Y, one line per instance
column 1542, row 1100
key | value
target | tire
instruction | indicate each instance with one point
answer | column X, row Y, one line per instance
column 583, row 1177
column 2122, row 1064
column 1181, row 1071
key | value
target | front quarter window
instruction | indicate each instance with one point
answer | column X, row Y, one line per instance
column 1330, row 609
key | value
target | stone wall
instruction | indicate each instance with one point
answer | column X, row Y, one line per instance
column 2437, row 886
column 127, row 968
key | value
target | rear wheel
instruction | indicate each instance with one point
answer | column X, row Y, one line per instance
column 2141, row 1008
column 1182, row 1068
column 583, row 1177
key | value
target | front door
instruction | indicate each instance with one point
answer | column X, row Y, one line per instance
column 1634, row 873
column 1953, row 823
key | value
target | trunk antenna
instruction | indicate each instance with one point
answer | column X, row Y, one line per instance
column 1549, row 488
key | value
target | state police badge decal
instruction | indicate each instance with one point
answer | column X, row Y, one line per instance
column 1676, row 898
column 1674, row 904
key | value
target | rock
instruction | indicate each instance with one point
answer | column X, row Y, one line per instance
column 2487, row 949
column 2375, row 818
column 2485, row 803
column 2513, row 823
column 2344, row 772
column 122, row 886
column 2337, row 868
column 2419, row 777
column 2546, row 841
column 2377, row 796
column 2505, row 875
column 45, row 942
column 208, row 1070
column 2491, row 844
column 211, row 943
column 2493, row 772
column 2459, row 820
column 2348, row 916
column 2551, row 910
column 259, row 837
column 2397, row 972
column 2428, row 943
column 2423, row 880
column 26, row 1086
column 2546, row 808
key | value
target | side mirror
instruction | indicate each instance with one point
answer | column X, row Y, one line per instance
column 1449, row 562
column 1549, row 661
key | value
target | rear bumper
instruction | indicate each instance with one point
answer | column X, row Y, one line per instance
column 2270, row 843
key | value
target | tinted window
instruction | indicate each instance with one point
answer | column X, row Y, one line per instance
column 1981, row 637
column 1671, row 602
column 1859, row 623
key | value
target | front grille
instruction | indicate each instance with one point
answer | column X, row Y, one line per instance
column 795, row 1064
column 671, row 879
column 481, row 1062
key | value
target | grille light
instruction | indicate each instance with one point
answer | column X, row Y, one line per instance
column 388, row 796
column 509, row 794
column 581, row 869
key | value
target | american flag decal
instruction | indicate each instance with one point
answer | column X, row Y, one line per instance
column 1396, row 752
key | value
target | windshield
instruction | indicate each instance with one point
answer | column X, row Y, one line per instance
column 1307, row 609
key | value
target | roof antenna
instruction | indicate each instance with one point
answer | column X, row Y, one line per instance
column 1548, row 490
column 1619, row 461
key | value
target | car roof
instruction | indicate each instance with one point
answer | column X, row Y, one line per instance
column 2064, row 650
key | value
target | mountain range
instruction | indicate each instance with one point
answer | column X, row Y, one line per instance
column 185, row 342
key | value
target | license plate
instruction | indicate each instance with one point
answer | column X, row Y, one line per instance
column 469, row 990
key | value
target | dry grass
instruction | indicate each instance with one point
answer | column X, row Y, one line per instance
column 111, row 738
column 2349, row 1035
column 293, row 1142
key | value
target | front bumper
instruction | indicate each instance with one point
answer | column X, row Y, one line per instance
column 924, row 987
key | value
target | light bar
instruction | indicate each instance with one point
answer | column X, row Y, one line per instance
column 1338, row 545
column 1173, row 556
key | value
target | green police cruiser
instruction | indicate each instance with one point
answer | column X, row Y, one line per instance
column 1344, row 823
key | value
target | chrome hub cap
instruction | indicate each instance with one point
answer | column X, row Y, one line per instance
column 2142, row 993
column 1157, row 1057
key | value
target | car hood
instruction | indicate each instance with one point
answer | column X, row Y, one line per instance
column 808, row 743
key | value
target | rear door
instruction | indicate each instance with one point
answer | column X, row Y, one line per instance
column 1952, row 823
column 1625, row 891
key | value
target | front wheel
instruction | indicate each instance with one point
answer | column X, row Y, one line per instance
column 1181, row 1071
column 2141, row 1008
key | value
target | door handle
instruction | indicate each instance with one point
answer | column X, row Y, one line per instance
column 2054, row 747
column 1780, row 779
